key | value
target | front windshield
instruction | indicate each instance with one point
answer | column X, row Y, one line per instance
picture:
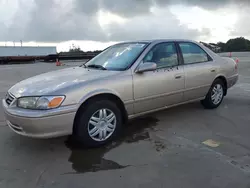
column 117, row 57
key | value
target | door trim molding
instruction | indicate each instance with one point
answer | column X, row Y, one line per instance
column 198, row 87
column 163, row 108
column 158, row 96
column 168, row 94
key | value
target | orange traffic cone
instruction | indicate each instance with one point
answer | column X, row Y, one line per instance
column 58, row 63
column 237, row 60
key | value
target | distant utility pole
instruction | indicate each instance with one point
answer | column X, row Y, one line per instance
column 21, row 43
column 14, row 43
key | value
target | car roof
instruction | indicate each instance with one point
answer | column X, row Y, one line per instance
column 157, row 41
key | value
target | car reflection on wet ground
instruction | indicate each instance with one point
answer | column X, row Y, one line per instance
column 185, row 146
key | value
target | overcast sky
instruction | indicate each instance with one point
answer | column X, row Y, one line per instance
column 94, row 24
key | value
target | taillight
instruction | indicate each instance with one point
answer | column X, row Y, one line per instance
column 236, row 63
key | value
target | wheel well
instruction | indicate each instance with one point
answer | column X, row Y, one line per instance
column 223, row 79
column 105, row 96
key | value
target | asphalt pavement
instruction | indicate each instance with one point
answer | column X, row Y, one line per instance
column 182, row 147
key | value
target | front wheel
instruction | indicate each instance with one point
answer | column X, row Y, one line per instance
column 99, row 123
column 215, row 95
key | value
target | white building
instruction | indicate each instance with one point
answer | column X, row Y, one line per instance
column 26, row 51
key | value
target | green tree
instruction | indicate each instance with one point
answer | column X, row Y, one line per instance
column 237, row 44
column 222, row 46
column 74, row 48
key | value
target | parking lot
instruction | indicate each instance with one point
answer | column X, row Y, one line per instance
column 164, row 149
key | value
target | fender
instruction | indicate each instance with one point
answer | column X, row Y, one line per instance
column 96, row 92
column 225, row 80
column 220, row 75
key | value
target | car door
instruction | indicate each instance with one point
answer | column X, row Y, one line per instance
column 163, row 86
column 200, row 70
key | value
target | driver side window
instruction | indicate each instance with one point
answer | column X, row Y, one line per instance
column 164, row 55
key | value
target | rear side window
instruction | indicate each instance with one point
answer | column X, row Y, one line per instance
column 192, row 53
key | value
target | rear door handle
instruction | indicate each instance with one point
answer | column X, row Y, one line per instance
column 212, row 70
column 178, row 76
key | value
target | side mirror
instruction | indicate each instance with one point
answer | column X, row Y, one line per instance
column 147, row 66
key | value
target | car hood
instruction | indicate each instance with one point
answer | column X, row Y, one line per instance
column 51, row 82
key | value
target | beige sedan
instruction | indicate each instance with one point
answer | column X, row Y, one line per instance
column 93, row 101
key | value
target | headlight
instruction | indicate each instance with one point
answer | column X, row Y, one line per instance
column 44, row 102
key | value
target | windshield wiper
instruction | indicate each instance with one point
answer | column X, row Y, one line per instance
column 97, row 66
column 83, row 65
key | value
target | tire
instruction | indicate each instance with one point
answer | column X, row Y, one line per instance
column 210, row 101
column 88, row 123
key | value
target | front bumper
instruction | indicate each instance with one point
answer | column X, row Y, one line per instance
column 40, row 123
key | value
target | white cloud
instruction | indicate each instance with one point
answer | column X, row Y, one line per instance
column 160, row 23
column 242, row 26
column 55, row 22
column 7, row 11
column 84, row 45
column 219, row 24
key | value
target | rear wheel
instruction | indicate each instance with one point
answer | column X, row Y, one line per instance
column 98, row 123
column 215, row 95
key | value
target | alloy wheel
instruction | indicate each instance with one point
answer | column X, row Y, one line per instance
column 102, row 125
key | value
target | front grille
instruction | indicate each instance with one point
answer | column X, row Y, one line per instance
column 9, row 98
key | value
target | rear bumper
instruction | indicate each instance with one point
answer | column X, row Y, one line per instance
column 231, row 81
column 42, row 126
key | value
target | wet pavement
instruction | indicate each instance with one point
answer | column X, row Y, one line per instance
column 92, row 160
column 163, row 149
